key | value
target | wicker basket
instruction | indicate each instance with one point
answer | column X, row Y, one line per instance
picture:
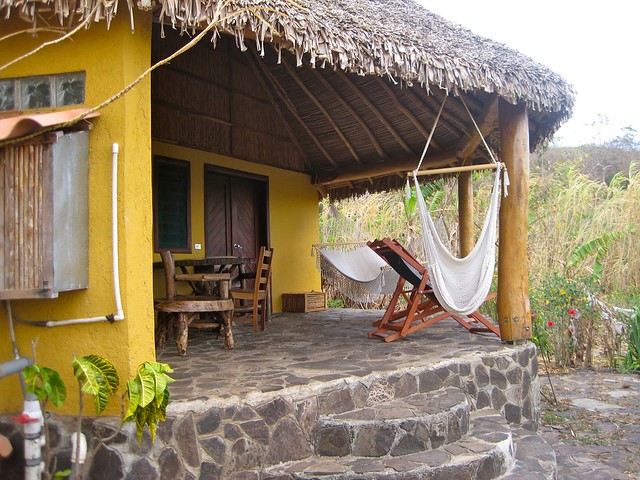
column 304, row 302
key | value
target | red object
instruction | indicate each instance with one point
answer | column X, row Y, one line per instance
column 550, row 324
column 24, row 418
column 571, row 311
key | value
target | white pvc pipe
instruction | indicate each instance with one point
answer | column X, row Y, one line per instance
column 119, row 315
column 33, row 438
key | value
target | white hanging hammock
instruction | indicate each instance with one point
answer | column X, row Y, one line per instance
column 461, row 285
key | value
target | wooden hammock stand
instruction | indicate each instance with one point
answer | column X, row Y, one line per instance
column 423, row 308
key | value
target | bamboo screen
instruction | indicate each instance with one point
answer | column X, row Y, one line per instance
column 22, row 211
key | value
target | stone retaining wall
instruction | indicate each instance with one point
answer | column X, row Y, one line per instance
column 235, row 440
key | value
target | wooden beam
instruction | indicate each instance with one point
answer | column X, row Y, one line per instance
column 425, row 103
column 487, row 121
column 363, row 98
column 354, row 114
column 464, row 168
column 401, row 166
column 465, row 214
column 455, row 125
column 290, row 105
column 514, row 310
column 253, row 62
column 407, row 113
column 193, row 113
column 292, row 73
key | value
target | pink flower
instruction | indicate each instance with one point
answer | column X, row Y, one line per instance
column 572, row 311
column 550, row 324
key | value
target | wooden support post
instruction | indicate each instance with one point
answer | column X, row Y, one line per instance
column 514, row 310
column 465, row 213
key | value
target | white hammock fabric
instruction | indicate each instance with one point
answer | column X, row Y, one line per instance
column 360, row 274
column 460, row 284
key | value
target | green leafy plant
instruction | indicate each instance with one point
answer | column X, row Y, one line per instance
column 147, row 394
column 148, row 397
column 335, row 303
column 565, row 319
column 598, row 248
column 632, row 358
column 46, row 384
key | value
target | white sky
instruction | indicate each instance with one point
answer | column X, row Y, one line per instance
column 595, row 46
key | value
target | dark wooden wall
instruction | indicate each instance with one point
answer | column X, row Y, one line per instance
column 211, row 99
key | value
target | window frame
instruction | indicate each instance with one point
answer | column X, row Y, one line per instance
column 55, row 82
column 158, row 161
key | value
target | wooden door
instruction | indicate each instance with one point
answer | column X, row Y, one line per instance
column 235, row 214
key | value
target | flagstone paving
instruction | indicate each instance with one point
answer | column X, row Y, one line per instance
column 595, row 428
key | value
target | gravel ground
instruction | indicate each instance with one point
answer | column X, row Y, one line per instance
column 594, row 427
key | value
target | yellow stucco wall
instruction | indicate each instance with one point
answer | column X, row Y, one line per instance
column 293, row 222
column 111, row 58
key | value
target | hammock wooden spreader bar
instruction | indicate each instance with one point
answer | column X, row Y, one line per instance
column 463, row 168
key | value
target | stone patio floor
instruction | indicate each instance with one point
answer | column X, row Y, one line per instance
column 301, row 350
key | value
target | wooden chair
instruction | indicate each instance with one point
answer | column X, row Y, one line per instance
column 185, row 308
column 259, row 294
column 422, row 307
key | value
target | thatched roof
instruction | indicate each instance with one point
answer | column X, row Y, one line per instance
column 373, row 37
column 398, row 40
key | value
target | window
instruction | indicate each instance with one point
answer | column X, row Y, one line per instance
column 45, row 91
column 171, row 205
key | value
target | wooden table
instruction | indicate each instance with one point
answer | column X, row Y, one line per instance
column 209, row 271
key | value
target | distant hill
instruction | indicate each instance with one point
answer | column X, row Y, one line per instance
column 599, row 161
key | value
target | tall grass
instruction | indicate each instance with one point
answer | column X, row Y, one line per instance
column 584, row 236
column 566, row 211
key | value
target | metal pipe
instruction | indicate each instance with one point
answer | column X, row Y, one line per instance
column 14, row 366
column 14, row 344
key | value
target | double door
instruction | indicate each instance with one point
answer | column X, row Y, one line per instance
column 236, row 213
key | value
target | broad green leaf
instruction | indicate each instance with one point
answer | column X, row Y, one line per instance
column 162, row 412
column 161, row 368
column 161, row 379
column 98, row 377
column 598, row 246
column 57, row 391
column 46, row 384
column 148, row 397
column 147, row 384
column 133, row 399
column 33, row 381
column 141, row 421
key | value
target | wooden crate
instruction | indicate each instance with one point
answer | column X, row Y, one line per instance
column 304, row 302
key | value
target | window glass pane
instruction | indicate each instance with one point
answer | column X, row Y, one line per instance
column 35, row 92
column 70, row 89
column 7, row 95
column 171, row 197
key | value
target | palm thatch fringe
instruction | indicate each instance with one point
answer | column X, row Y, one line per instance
column 394, row 38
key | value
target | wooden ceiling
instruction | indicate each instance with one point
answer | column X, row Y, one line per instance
column 350, row 133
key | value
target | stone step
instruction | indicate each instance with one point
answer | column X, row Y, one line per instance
column 534, row 457
column 419, row 422
column 486, row 452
